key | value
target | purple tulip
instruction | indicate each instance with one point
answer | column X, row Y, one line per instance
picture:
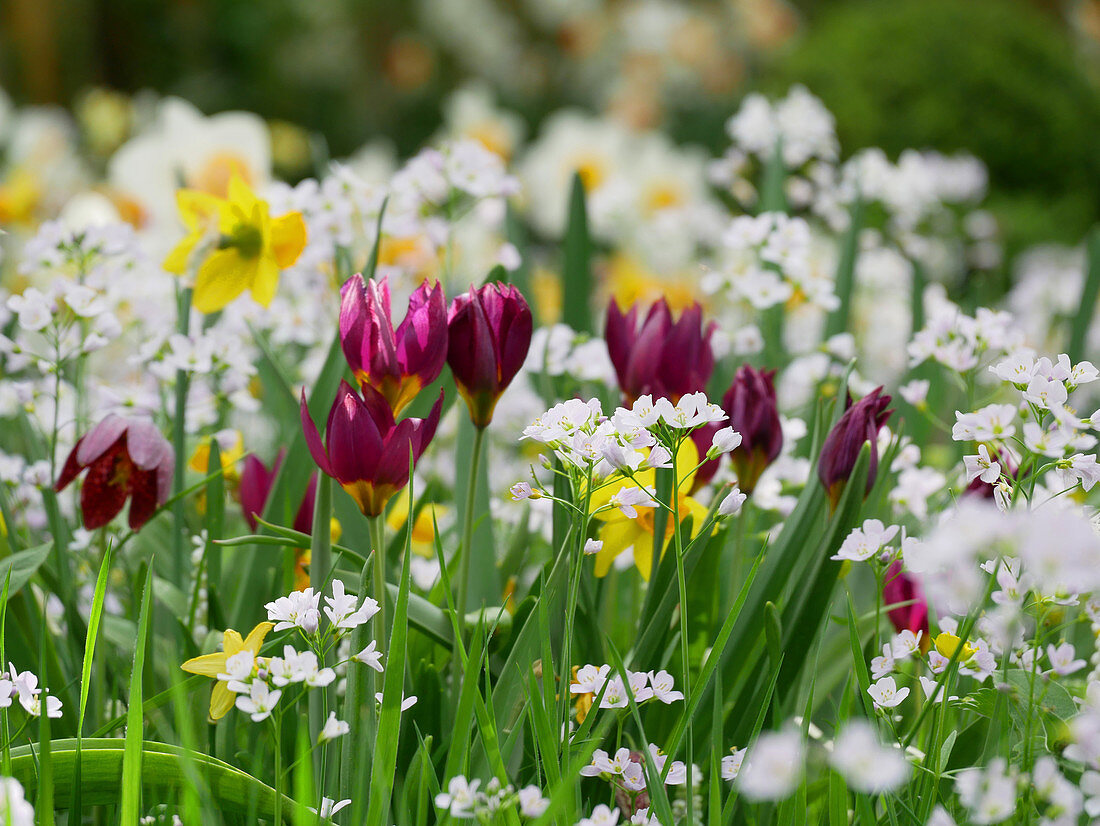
column 256, row 483
column 490, row 332
column 397, row 363
column 860, row 423
column 902, row 587
column 125, row 460
column 660, row 358
column 365, row 450
column 753, row 412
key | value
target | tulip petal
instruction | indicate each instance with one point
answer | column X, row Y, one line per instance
column 354, row 439
column 255, row 487
column 313, row 438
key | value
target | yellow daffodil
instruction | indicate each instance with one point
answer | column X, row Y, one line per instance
column 251, row 247
column 200, row 459
column 211, row 665
column 947, row 643
column 423, row 533
column 620, row 531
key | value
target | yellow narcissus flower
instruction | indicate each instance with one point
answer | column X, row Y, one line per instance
column 423, row 533
column 620, row 531
column 229, row 455
column 211, row 665
column 250, row 251
column 947, row 643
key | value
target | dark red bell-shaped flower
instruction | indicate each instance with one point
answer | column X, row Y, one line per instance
column 397, row 363
column 256, row 483
column 753, row 412
column 860, row 423
column 125, row 459
column 365, row 450
column 659, row 357
column 489, row 334
column 900, row 587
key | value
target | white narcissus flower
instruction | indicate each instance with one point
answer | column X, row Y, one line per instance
column 886, row 694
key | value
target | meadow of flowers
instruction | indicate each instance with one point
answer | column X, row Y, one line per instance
column 578, row 478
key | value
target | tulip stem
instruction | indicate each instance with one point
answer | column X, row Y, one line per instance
column 320, row 560
column 468, row 524
column 179, row 433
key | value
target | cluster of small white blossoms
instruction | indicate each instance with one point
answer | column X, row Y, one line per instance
column 959, row 342
column 869, row 541
column 23, row 686
column 260, row 681
column 625, row 770
column 465, row 799
column 1084, row 748
column 604, row 815
column 773, row 767
column 991, row 793
column 768, row 258
column 15, row 809
column 586, row 440
column 643, row 686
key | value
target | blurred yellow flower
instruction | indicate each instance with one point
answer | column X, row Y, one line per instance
column 251, row 247
column 200, row 459
column 211, row 665
column 947, row 643
column 620, row 531
column 423, row 533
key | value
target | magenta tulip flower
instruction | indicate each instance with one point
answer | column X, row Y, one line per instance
column 125, row 459
column 860, row 423
column 490, row 332
column 256, row 483
column 365, row 450
column 660, row 357
column 397, row 363
column 753, row 412
column 899, row 587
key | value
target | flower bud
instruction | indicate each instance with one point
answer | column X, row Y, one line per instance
column 860, row 423
column 489, row 333
column 754, row 413
column 659, row 358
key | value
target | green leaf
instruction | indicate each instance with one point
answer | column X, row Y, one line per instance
column 1090, row 290
column 130, row 793
column 577, row 266
column 23, row 565
column 162, row 774
column 89, row 652
column 483, row 585
column 846, row 271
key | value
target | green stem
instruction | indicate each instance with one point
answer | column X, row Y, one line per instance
column 468, row 525
column 278, row 770
column 320, row 561
column 179, row 434
column 681, row 581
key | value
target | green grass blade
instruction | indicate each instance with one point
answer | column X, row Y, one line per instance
column 130, row 794
column 1090, row 291
column 576, row 265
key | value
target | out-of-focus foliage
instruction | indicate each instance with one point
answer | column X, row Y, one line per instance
column 997, row 77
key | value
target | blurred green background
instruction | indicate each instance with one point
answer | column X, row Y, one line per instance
column 1014, row 82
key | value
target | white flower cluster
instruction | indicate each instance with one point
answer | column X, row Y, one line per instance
column 465, row 799
column 768, row 258
column 643, row 686
column 23, row 686
column 958, row 341
column 626, row 769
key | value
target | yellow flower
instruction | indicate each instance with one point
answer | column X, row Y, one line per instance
column 211, row 665
column 251, row 249
column 621, row 532
column 200, row 459
column 947, row 643
column 423, row 534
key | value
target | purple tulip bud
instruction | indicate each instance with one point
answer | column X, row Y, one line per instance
column 125, row 459
column 397, row 363
column 902, row 587
column 860, row 423
column 660, row 358
column 256, row 483
column 753, row 412
column 489, row 334
column 365, row 450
